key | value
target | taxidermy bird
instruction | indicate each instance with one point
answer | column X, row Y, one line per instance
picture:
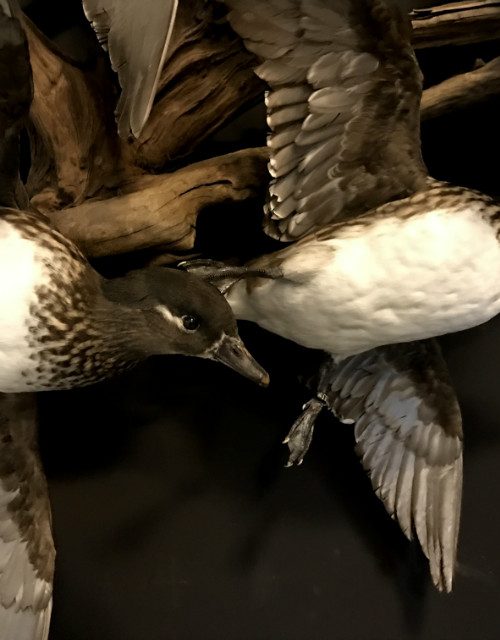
column 26, row 547
column 382, row 254
column 62, row 325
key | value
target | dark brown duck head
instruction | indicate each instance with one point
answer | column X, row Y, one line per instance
column 181, row 314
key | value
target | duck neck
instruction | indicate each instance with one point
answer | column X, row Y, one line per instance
column 121, row 331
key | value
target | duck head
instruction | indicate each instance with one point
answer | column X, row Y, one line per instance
column 181, row 314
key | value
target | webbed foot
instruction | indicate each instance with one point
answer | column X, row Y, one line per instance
column 206, row 268
column 300, row 435
column 225, row 275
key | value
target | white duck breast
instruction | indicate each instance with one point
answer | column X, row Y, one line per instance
column 384, row 254
column 391, row 279
column 403, row 258
column 21, row 262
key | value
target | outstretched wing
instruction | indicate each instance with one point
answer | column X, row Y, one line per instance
column 408, row 431
column 136, row 35
column 343, row 107
column 26, row 547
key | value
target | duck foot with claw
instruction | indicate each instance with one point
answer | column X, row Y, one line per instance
column 300, row 435
column 215, row 271
column 408, row 433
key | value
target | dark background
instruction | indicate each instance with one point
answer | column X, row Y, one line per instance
column 174, row 517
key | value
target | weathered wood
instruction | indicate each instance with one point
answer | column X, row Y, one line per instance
column 456, row 23
column 208, row 77
column 75, row 151
column 161, row 211
column 462, row 90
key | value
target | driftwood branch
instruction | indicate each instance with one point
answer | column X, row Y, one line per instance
column 161, row 211
column 75, row 152
column 462, row 90
column 79, row 164
column 456, row 23
column 208, row 76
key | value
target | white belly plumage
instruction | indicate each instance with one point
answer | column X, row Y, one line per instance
column 21, row 269
column 395, row 280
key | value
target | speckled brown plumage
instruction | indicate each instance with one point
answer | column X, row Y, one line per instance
column 20, row 469
column 62, row 325
column 27, row 551
column 436, row 195
column 68, row 321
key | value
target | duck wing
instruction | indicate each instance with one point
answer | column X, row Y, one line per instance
column 136, row 35
column 343, row 107
column 408, row 432
column 26, row 547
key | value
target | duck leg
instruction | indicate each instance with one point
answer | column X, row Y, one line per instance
column 215, row 270
column 224, row 276
column 300, row 435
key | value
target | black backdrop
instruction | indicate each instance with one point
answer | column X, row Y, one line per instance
column 174, row 517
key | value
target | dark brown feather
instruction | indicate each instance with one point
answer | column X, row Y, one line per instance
column 343, row 107
column 408, row 431
column 27, row 551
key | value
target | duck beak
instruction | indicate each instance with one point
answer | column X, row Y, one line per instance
column 232, row 352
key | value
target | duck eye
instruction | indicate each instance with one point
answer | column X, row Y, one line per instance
column 191, row 323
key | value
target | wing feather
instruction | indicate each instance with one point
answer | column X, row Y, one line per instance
column 26, row 547
column 352, row 136
column 408, row 434
column 137, row 36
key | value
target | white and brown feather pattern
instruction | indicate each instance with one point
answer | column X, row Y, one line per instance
column 26, row 547
column 137, row 42
column 408, row 432
column 57, row 328
column 343, row 107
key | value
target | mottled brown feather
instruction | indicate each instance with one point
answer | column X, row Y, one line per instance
column 408, row 431
column 27, row 551
column 345, row 88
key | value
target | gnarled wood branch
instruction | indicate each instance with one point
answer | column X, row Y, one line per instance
column 207, row 77
column 75, row 151
column 462, row 90
column 456, row 23
column 161, row 211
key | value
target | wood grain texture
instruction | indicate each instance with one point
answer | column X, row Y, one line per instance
column 456, row 23
column 208, row 77
column 161, row 211
column 462, row 90
column 75, row 152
